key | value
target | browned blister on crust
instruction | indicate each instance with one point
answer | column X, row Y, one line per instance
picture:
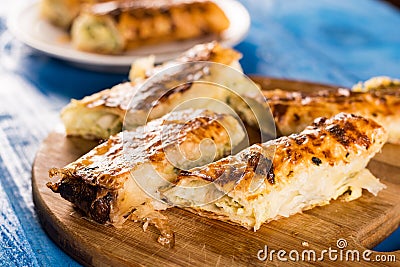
column 287, row 175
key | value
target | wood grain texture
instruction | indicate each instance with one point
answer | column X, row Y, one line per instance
column 201, row 241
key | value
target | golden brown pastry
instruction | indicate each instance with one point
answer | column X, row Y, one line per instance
column 113, row 27
column 376, row 83
column 100, row 115
column 285, row 176
column 62, row 12
column 294, row 110
column 121, row 177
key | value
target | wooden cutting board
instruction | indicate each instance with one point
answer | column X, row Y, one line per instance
column 362, row 223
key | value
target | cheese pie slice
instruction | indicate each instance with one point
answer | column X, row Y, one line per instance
column 120, row 177
column 285, row 176
column 100, row 115
column 116, row 26
column 294, row 110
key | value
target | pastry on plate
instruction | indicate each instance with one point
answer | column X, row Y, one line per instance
column 116, row 26
column 376, row 83
column 62, row 12
column 100, row 115
column 285, row 176
column 294, row 110
column 119, row 179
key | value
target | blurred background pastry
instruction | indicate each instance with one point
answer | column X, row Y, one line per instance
column 113, row 27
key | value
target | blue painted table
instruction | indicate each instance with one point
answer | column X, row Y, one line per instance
column 337, row 42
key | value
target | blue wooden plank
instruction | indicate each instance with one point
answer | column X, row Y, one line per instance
column 53, row 77
column 392, row 243
column 270, row 49
column 24, row 122
column 15, row 250
column 339, row 42
column 362, row 37
column 37, row 245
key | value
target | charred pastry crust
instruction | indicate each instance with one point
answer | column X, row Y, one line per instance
column 94, row 201
column 120, row 178
column 316, row 161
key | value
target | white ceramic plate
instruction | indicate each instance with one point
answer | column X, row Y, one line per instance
column 37, row 33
